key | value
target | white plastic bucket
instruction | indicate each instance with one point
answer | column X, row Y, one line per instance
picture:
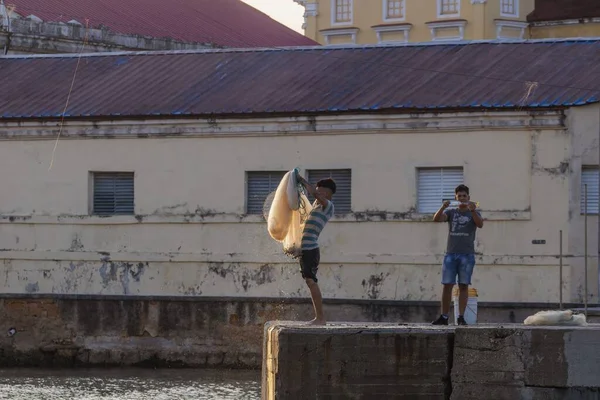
column 471, row 310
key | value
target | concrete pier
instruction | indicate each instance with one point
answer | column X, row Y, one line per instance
column 408, row 361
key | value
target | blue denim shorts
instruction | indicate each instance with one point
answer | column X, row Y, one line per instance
column 458, row 264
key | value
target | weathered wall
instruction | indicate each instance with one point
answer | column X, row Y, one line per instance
column 154, row 333
column 545, row 363
column 360, row 362
column 28, row 36
column 589, row 27
column 193, row 331
column 191, row 236
column 424, row 362
column 584, row 123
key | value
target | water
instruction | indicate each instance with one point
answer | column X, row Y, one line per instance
column 124, row 384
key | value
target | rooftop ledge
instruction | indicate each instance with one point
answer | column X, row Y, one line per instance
column 213, row 217
column 342, row 327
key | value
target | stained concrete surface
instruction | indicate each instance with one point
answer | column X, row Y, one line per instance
column 188, row 331
column 412, row 361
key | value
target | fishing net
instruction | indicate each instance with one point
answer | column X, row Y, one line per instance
column 284, row 223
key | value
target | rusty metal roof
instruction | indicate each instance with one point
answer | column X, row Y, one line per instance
column 229, row 23
column 557, row 10
column 492, row 75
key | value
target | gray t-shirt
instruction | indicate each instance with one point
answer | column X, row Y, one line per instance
column 461, row 231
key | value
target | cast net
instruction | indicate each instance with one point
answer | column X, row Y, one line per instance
column 284, row 224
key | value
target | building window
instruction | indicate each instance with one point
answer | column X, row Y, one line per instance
column 509, row 8
column 341, row 12
column 435, row 185
column 259, row 185
column 113, row 193
column 342, row 199
column 393, row 10
column 590, row 177
column 448, row 8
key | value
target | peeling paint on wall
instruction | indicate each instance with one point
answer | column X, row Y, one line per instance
column 32, row 287
column 122, row 272
column 76, row 244
column 561, row 170
column 242, row 276
column 373, row 285
column 170, row 210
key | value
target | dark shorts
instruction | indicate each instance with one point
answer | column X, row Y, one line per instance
column 309, row 263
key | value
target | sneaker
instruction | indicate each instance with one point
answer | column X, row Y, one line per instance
column 440, row 321
column 461, row 321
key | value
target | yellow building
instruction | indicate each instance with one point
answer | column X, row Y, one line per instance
column 335, row 22
column 348, row 22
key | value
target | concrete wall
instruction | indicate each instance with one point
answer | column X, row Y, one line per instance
column 153, row 333
column 424, row 362
column 191, row 236
column 544, row 363
column 180, row 332
column 588, row 27
column 584, row 123
column 28, row 36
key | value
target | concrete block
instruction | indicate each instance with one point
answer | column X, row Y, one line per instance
column 522, row 362
column 545, row 359
column 582, row 353
column 478, row 391
column 535, row 393
column 563, row 357
column 354, row 361
column 502, row 392
column 489, row 355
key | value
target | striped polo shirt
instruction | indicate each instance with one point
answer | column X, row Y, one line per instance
column 315, row 223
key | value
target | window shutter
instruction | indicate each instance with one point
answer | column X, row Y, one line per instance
column 113, row 193
column 590, row 176
column 342, row 199
column 258, row 187
column 436, row 185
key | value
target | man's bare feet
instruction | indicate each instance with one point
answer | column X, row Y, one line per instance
column 317, row 322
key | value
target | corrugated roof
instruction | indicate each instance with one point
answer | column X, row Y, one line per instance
column 230, row 23
column 557, row 10
column 304, row 80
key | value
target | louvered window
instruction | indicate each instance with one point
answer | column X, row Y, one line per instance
column 259, row 184
column 590, row 176
column 435, row 185
column 113, row 193
column 342, row 199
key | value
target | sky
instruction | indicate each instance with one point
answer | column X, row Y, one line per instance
column 285, row 11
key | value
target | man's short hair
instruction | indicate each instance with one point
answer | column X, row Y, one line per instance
column 327, row 183
column 461, row 188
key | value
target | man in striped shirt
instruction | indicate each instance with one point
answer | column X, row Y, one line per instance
column 309, row 260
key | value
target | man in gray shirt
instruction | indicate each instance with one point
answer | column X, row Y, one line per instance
column 460, row 252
